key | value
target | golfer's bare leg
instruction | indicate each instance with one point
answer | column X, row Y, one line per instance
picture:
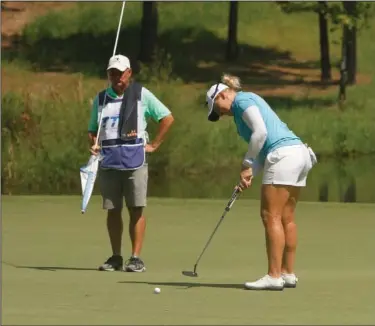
column 137, row 229
column 290, row 231
column 273, row 201
column 115, row 229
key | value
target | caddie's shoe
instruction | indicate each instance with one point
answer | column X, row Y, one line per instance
column 266, row 283
column 134, row 264
column 113, row 263
column 290, row 280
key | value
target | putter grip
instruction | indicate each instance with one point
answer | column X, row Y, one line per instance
column 234, row 196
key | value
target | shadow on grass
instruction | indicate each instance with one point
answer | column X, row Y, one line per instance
column 196, row 55
column 55, row 268
column 289, row 103
column 188, row 285
column 50, row 268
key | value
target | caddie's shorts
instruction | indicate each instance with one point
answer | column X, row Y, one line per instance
column 116, row 185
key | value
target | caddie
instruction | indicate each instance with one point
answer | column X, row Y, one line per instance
column 123, row 110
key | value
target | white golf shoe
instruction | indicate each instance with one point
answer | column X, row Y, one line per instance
column 266, row 283
column 290, row 280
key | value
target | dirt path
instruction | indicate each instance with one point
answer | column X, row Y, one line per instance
column 15, row 15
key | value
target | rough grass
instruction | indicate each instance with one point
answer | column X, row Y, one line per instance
column 58, row 84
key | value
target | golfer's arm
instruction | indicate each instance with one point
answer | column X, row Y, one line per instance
column 254, row 121
column 164, row 125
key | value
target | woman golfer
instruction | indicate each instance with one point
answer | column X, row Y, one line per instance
column 286, row 162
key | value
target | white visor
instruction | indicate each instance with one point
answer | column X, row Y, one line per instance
column 210, row 97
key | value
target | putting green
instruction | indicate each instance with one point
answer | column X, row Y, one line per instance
column 51, row 252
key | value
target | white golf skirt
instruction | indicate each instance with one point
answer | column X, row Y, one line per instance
column 288, row 165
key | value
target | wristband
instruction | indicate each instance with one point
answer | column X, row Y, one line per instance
column 248, row 162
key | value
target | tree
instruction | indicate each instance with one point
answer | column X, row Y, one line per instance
column 343, row 69
column 149, row 31
column 322, row 9
column 325, row 63
column 351, row 42
column 232, row 45
column 351, row 18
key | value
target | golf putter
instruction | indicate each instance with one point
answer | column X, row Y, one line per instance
column 194, row 273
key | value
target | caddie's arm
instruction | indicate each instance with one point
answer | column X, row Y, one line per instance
column 92, row 137
column 164, row 125
column 159, row 113
column 93, row 126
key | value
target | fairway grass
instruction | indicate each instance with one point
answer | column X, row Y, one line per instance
column 50, row 254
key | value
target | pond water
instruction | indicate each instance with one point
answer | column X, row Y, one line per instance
column 349, row 180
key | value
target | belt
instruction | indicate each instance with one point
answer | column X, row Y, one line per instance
column 118, row 141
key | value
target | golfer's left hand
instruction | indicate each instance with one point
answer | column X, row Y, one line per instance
column 246, row 176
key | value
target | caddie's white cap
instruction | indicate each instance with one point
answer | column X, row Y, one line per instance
column 119, row 62
column 211, row 95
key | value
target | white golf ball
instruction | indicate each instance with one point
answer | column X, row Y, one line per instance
column 156, row 290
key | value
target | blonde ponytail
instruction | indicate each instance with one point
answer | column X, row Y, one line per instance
column 232, row 82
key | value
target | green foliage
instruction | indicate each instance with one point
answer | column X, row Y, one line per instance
column 335, row 11
column 359, row 18
column 45, row 142
column 297, row 7
column 96, row 19
column 160, row 71
column 186, row 31
column 43, row 153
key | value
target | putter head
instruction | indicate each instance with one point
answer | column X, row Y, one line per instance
column 190, row 273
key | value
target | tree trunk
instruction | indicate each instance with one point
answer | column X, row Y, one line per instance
column 325, row 63
column 323, row 192
column 351, row 44
column 343, row 67
column 232, row 46
column 352, row 56
column 350, row 195
column 149, row 31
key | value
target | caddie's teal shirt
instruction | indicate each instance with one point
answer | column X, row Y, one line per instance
column 278, row 133
column 151, row 105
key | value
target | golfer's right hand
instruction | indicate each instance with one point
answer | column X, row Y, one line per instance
column 94, row 150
